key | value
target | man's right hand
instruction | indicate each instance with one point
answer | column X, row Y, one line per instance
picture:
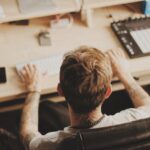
column 119, row 63
column 31, row 78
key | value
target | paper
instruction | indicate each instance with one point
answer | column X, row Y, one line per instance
column 2, row 14
column 29, row 6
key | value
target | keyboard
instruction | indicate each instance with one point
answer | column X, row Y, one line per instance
column 134, row 35
column 142, row 38
column 50, row 65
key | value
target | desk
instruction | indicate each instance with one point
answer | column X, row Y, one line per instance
column 19, row 44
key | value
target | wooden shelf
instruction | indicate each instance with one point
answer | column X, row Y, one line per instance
column 12, row 12
column 90, row 5
column 103, row 3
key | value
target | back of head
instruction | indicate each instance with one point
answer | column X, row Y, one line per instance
column 85, row 76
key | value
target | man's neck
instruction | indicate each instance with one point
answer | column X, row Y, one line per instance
column 78, row 120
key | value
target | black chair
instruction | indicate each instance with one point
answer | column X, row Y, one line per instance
column 129, row 136
column 9, row 141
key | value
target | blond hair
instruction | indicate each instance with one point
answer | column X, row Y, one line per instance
column 85, row 75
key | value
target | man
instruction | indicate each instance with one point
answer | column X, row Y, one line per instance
column 85, row 82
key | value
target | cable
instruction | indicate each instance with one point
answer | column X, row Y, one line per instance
column 66, row 15
column 82, row 4
column 110, row 15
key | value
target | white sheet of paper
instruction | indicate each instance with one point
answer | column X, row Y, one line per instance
column 2, row 14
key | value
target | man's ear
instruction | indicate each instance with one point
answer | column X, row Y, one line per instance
column 59, row 90
column 108, row 92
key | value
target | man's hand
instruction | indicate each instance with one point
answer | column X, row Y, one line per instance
column 31, row 77
column 120, row 68
column 118, row 62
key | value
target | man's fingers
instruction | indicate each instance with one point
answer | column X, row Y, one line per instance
column 110, row 54
column 24, row 75
column 122, row 53
column 117, row 53
column 35, row 68
column 27, row 70
column 31, row 77
column 21, row 74
column 31, row 68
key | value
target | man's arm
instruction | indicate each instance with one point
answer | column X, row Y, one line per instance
column 119, row 65
column 29, row 118
column 138, row 96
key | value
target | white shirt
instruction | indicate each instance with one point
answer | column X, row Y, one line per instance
column 51, row 140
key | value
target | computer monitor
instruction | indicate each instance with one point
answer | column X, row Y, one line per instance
column 29, row 6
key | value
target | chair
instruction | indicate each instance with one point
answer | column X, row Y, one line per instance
column 129, row 136
column 8, row 141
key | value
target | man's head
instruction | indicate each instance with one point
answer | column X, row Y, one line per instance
column 85, row 77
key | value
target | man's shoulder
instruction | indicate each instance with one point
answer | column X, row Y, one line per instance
column 133, row 113
column 51, row 139
column 126, row 115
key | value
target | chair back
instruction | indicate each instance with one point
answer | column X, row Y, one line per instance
column 129, row 136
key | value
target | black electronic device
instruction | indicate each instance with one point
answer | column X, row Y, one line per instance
column 20, row 22
column 2, row 75
column 134, row 34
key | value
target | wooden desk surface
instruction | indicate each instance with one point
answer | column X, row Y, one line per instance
column 12, row 12
column 19, row 44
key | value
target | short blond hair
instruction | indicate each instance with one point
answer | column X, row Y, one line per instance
column 85, row 75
